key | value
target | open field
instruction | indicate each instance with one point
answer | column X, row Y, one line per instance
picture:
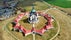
column 38, row 4
column 61, row 3
column 2, row 32
column 65, row 23
column 66, row 11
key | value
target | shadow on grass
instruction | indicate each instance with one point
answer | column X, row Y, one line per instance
column 60, row 3
column 25, row 20
column 13, row 24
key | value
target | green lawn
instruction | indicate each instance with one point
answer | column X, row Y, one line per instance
column 61, row 3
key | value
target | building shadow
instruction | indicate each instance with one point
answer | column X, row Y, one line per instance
column 25, row 20
column 13, row 24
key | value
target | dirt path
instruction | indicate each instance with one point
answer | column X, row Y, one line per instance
column 57, row 24
column 4, row 28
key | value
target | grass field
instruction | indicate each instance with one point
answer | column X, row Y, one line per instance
column 27, row 4
column 61, row 3
column 65, row 24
